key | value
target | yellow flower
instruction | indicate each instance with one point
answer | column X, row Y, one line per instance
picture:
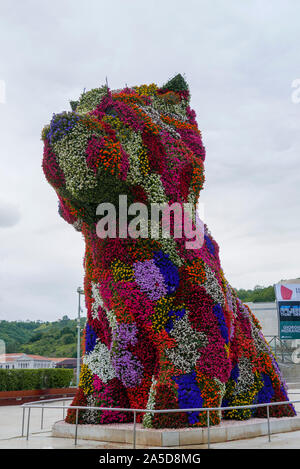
column 122, row 272
column 144, row 162
column 86, row 380
column 161, row 317
column 146, row 90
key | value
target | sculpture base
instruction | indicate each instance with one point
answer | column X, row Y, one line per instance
column 228, row 430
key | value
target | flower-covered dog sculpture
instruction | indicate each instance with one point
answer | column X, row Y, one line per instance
column 164, row 328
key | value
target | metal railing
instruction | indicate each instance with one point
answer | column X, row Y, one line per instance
column 281, row 349
column 135, row 411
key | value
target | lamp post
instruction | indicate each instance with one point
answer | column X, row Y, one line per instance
column 80, row 292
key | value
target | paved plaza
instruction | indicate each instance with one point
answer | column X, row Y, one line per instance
column 11, row 431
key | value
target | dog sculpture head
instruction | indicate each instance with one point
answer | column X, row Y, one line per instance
column 141, row 141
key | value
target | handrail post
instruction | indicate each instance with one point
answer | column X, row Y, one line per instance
column 208, row 430
column 268, row 416
column 28, row 420
column 42, row 417
column 134, row 429
column 76, row 427
column 282, row 352
column 23, row 419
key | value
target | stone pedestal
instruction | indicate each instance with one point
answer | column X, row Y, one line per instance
column 227, row 431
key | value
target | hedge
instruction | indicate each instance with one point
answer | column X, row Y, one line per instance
column 43, row 378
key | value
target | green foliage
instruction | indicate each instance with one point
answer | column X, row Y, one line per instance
column 68, row 339
column 257, row 295
column 49, row 339
column 20, row 380
column 15, row 333
column 177, row 83
column 73, row 105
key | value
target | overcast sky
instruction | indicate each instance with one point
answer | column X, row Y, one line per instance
column 240, row 59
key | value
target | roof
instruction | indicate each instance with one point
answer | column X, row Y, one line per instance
column 11, row 357
column 292, row 280
column 57, row 360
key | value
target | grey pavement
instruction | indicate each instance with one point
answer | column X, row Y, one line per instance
column 11, row 431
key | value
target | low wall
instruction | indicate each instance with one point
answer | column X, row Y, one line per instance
column 227, row 430
column 20, row 397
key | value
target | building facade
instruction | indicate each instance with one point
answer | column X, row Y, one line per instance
column 19, row 361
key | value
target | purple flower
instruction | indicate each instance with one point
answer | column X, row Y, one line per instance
column 128, row 368
column 149, row 279
column 125, row 335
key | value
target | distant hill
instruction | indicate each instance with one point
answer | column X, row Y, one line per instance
column 257, row 295
column 50, row 339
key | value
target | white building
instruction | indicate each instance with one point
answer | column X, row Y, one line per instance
column 23, row 361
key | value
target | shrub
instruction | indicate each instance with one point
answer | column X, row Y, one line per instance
column 43, row 378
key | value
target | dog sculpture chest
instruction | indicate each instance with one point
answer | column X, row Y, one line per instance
column 164, row 328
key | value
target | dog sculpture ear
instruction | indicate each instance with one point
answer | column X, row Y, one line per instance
column 174, row 90
column 176, row 84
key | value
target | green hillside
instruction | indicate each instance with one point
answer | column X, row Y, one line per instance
column 50, row 339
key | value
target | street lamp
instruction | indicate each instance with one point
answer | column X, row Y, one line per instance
column 80, row 292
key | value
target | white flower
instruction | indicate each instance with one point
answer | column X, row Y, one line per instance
column 98, row 303
column 90, row 99
column 133, row 146
column 147, row 420
column 97, row 300
column 189, row 341
column 169, row 247
column 155, row 190
column 90, row 416
column 246, row 376
column 213, row 287
column 99, row 362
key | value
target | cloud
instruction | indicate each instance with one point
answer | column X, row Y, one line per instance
column 9, row 215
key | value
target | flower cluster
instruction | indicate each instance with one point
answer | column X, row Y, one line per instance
column 128, row 367
column 99, row 362
column 164, row 328
column 60, row 126
column 86, row 380
column 121, row 271
column 150, row 280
